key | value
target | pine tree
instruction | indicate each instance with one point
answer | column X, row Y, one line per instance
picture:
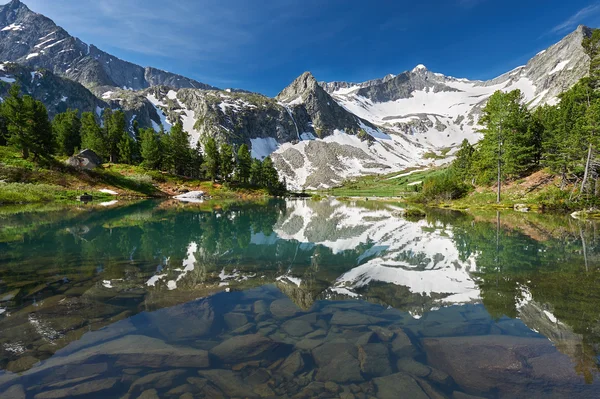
column 3, row 130
column 226, row 161
column 506, row 149
column 180, row 149
column 244, row 162
column 126, row 148
column 66, row 127
column 137, row 139
column 92, row 135
column 269, row 174
column 40, row 129
column 27, row 124
column 256, row 173
column 150, row 149
column 211, row 159
column 463, row 163
column 196, row 161
column 114, row 126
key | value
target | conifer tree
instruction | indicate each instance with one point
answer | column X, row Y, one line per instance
column 27, row 124
column 180, row 149
column 196, row 161
column 269, row 174
column 114, row 126
column 463, row 163
column 92, row 135
column 256, row 173
column 244, row 162
column 211, row 159
column 66, row 127
column 126, row 148
column 150, row 149
column 226, row 161
column 505, row 148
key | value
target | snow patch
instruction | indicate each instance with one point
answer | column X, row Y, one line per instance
column 263, row 147
column 559, row 67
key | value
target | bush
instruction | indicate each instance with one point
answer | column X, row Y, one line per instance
column 444, row 186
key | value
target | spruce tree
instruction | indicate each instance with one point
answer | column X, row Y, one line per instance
column 256, row 173
column 211, row 159
column 126, row 148
column 66, row 127
column 463, row 163
column 27, row 124
column 180, row 149
column 269, row 174
column 196, row 161
column 92, row 135
column 15, row 114
column 226, row 161
column 150, row 149
column 244, row 162
column 506, row 149
column 114, row 126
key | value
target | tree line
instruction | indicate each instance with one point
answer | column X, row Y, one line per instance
column 24, row 124
column 563, row 138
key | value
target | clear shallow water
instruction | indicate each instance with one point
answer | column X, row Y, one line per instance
column 296, row 299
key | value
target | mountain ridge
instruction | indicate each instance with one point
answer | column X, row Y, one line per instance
column 32, row 39
column 318, row 134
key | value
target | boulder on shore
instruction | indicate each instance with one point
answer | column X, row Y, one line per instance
column 86, row 159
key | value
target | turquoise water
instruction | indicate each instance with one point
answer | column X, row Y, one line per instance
column 296, row 299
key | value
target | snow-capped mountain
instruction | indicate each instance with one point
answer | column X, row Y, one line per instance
column 440, row 111
column 32, row 39
column 318, row 134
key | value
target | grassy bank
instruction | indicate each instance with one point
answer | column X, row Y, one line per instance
column 25, row 181
column 538, row 191
column 399, row 184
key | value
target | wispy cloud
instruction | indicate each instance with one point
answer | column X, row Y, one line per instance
column 576, row 19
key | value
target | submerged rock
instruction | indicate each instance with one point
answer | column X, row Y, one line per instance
column 485, row 363
column 87, row 388
column 242, row 348
column 398, row 385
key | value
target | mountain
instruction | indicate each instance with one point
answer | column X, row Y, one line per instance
column 318, row 134
column 440, row 111
column 32, row 39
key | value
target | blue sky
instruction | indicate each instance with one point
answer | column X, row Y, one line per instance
column 262, row 45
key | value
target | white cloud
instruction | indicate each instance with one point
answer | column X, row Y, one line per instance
column 576, row 18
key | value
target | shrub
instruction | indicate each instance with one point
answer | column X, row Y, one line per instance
column 443, row 186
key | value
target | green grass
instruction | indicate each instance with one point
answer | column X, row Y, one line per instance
column 47, row 180
column 21, row 193
column 381, row 185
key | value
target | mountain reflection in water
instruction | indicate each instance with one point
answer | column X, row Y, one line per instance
column 491, row 305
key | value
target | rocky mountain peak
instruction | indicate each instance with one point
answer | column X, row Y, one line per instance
column 302, row 85
column 420, row 69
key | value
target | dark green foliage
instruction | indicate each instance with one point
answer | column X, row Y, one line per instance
column 226, row 161
column 463, row 164
column 27, row 124
column 211, row 159
column 92, row 136
column 179, row 150
column 244, row 163
column 66, row 128
column 150, row 149
column 196, row 161
column 115, row 127
column 256, row 175
column 126, row 147
column 444, row 186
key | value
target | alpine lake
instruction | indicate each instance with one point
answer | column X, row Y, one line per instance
column 296, row 299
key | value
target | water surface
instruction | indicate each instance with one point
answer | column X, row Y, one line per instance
column 296, row 299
